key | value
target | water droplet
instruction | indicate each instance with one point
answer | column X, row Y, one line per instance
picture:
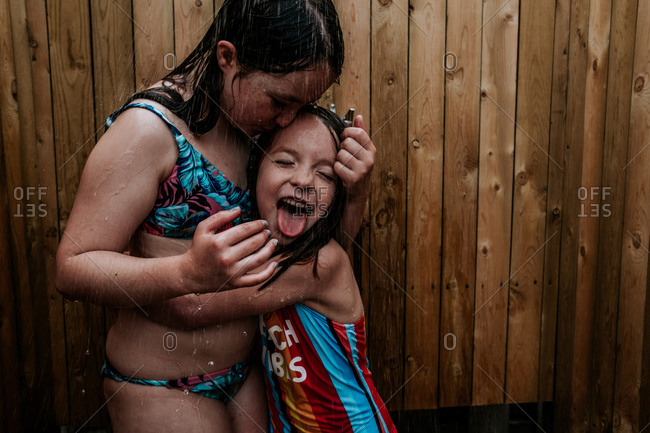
column 244, row 333
column 210, row 364
column 186, row 392
column 87, row 352
column 83, row 392
column 194, row 351
column 199, row 307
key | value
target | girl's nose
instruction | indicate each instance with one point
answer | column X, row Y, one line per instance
column 302, row 178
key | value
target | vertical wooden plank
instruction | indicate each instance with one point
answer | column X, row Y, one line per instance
column 636, row 231
column 530, row 198
column 35, row 231
column 112, row 34
column 611, row 235
column 554, row 207
column 153, row 41
column 566, row 418
column 498, row 98
column 589, row 210
column 460, row 200
column 14, row 404
column 74, row 128
column 191, row 21
column 424, row 199
column 388, row 204
column 354, row 92
column 45, row 170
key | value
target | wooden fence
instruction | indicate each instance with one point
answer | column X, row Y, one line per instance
column 505, row 259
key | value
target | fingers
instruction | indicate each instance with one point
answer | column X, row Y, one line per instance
column 250, row 280
column 358, row 122
column 218, row 220
column 251, row 244
column 235, row 235
column 252, row 262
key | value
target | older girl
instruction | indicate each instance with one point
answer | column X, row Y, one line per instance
column 165, row 181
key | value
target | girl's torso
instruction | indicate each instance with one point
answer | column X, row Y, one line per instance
column 317, row 374
column 194, row 190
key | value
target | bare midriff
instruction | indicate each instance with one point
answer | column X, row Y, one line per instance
column 137, row 344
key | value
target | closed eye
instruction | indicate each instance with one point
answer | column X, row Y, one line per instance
column 329, row 177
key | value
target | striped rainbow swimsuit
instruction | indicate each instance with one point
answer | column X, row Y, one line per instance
column 317, row 374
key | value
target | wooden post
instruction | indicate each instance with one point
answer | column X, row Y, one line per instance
column 424, row 215
column 388, row 205
column 460, row 200
column 498, row 89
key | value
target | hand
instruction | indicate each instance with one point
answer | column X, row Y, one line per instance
column 225, row 260
column 355, row 160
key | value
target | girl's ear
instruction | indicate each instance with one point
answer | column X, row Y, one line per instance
column 226, row 56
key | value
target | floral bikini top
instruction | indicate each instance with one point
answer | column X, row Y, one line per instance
column 194, row 190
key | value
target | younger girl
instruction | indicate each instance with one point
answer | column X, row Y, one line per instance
column 313, row 336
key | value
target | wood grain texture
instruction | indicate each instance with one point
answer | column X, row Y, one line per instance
column 636, row 233
column 460, row 201
column 530, row 198
column 589, row 210
column 191, row 21
column 611, row 227
column 35, row 233
column 113, row 61
column 611, row 234
column 564, row 396
column 153, row 41
column 388, row 202
column 554, row 207
column 353, row 91
column 498, row 89
column 45, row 174
column 424, row 199
column 75, row 131
column 14, row 401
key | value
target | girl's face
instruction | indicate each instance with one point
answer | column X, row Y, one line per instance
column 296, row 180
column 260, row 102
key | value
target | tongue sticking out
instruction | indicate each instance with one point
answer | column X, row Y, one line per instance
column 291, row 224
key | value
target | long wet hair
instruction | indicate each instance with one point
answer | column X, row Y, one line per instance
column 272, row 36
column 305, row 247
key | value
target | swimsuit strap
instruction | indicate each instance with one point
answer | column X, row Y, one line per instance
column 180, row 139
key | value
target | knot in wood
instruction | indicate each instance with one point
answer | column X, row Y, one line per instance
column 382, row 218
column 638, row 84
column 522, row 178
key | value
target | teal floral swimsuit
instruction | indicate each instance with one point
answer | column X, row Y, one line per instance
column 193, row 191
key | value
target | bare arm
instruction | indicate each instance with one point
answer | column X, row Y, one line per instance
column 354, row 166
column 118, row 188
column 296, row 284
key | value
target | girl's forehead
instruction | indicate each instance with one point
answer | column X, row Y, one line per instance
column 298, row 86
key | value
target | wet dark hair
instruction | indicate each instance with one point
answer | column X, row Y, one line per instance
column 272, row 36
column 306, row 246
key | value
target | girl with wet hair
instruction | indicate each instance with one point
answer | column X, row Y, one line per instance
column 312, row 321
column 167, row 183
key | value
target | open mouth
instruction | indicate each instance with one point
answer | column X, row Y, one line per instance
column 292, row 216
